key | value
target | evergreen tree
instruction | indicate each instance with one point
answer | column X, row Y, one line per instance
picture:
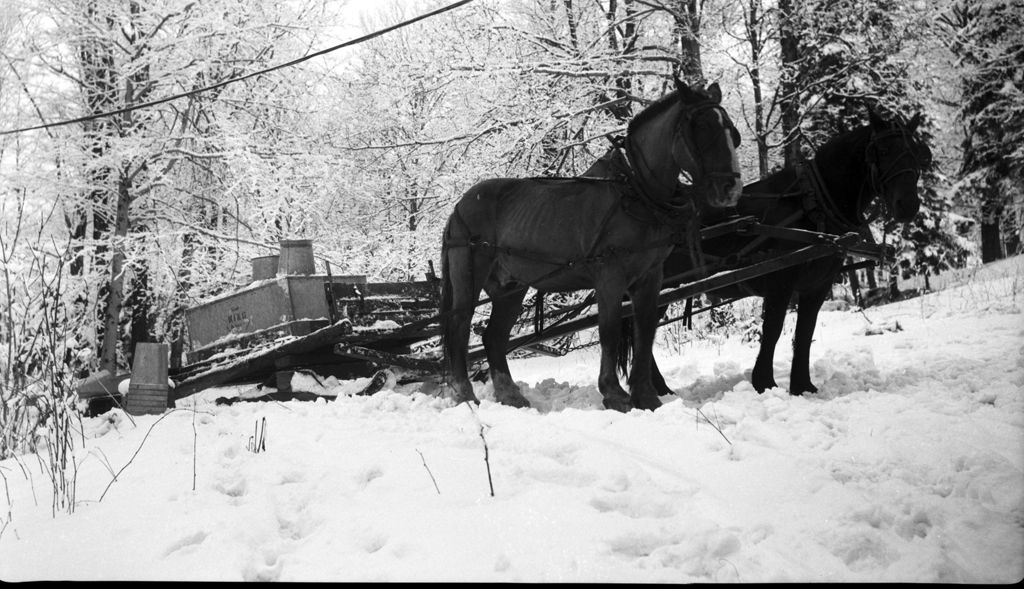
column 988, row 38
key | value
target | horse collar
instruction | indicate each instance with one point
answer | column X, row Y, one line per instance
column 672, row 211
column 819, row 204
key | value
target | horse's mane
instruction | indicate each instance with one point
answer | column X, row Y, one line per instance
column 852, row 141
column 655, row 108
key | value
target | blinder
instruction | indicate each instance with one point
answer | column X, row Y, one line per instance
column 919, row 154
column 687, row 119
column 921, row 157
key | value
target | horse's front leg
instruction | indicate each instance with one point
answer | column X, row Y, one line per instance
column 806, row 319
column 644, row 295
column 773, row 316
column 609, row 313
column 506, row 304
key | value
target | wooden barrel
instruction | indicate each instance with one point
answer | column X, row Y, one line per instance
column 296, row 257
column 264, row 267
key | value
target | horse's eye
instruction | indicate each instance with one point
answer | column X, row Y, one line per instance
column 685, row 178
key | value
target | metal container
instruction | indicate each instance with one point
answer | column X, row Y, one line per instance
column 264, row 267
column 148, row 388
column 296, row 257
column 290, row 305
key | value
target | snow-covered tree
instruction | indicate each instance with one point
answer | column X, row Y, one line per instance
column 988, row 38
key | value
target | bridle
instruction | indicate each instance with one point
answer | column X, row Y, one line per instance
column 878, row 179
column 822, row 206
column 683, row 202
column 686, row 119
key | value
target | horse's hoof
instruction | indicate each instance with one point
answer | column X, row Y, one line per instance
column 460, row 399
column 513, row 399
column 620, row 405
column 646, row 403
column 800, row 390
column 762, row 386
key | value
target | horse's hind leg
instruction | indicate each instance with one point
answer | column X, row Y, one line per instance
column 506, row 304
column 658, row 380
column 656, row 377
column 467, row 272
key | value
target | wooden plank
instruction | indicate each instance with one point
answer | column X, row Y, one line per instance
column 858, row 265
column 381, row 357
column 723, row 279
column 872, row 251
column 801, row 235
column 262, row 362
column 727, row 227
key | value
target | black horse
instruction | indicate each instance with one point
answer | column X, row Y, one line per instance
column 575, row 233
column 873, row 166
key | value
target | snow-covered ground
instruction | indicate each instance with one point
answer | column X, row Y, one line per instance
column 908, row 466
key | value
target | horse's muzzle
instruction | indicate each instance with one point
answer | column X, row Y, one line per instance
column 725, row 189
column 904, row 211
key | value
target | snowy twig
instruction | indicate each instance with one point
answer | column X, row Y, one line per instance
column 258, row 442
column 432, row 479
column 865, row 315
column 6, row 520
column 713, row 425
column 195, row 441
column 487, row 458
column 137, row 450
column 103, row 460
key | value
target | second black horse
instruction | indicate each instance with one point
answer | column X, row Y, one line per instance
column 876, row 165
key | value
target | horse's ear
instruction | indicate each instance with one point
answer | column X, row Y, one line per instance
column 682, row 87
column 914, row 122
column 876, row 120
column 715, row 92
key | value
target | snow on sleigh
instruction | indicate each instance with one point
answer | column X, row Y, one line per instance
column 289, row 319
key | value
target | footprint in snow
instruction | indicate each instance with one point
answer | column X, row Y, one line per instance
column 268, row 570
column 632, row 507
column 186, row 542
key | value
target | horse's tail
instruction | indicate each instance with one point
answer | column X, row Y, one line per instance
column 624, row 355
column 446, row 303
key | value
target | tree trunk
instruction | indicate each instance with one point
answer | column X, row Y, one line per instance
column 112, row 314
column 991, row 240
column 90, row 221
column 138, row 304
column 570, row 17
column 622, row 84
column 752, row 23
column 687, row 30
column 789, row 44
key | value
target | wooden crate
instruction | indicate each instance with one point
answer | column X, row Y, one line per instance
column 369, row 303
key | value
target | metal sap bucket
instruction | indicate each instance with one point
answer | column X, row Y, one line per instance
column 296, row 257
column 264, row 267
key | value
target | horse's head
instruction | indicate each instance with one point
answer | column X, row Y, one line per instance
column 704, row 146
column 896, row 159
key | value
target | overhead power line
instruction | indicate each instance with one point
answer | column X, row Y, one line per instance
column 223, row 83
